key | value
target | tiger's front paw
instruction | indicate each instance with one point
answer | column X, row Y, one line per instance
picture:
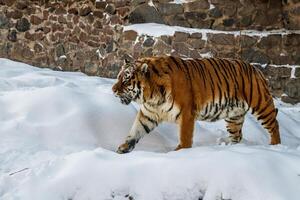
column 127, row 147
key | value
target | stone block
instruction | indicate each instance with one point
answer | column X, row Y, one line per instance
column 148, row 42
column 23, row 25
column 145, row 14
column 130, row 35
column 196, row 6
column 221, row 39
column 256, row 56
column 170, row 8
column 12, row 35
column 180, row 36
column 271, row 41
column 292, row 88
column 36, row 20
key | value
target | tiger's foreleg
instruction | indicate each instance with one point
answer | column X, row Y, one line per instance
column 186, row 130
column 142, row 125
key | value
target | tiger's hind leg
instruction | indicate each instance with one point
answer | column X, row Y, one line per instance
column 267, row 117
column 234, row 128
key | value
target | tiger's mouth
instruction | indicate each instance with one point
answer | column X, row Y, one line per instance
column 124, row 99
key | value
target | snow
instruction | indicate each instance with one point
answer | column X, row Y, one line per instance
column 157, row 30
column 179, row 1
column 59, row 132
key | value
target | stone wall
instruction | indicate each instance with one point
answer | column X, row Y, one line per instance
column 66, row 35
column 220, row 14
column 88, row 35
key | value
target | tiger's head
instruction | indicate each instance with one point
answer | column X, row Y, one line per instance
column 130, row 82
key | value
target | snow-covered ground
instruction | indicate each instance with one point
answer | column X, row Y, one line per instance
column 59, row 132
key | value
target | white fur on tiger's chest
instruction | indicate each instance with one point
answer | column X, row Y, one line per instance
column 162, row 112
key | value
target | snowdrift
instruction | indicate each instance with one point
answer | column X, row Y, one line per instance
column 59, row 132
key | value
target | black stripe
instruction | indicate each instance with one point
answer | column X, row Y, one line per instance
column 169, row 67
column 171, row 106
column 150, row 120
column 201, row 69
column 231, row 132
column 213, row 66
column 146, row 128
column 242, row 78
column 178, row 115
column 269, row 121
column 265, row 115
column 254, row 109
column 251, row 85
column 176, row 62
column 162, row 90
column 148, row 109
column 155, row 71
column 261, row 110
column 185, row 70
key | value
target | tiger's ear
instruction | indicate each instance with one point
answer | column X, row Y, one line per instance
column 144, row 68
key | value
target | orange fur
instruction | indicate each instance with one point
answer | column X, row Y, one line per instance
column 183, row 91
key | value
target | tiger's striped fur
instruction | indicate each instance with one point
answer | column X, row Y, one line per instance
column 183, row 91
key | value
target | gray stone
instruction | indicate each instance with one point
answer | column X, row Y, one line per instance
column 251, row 55
column 177, row 20
column 290, row 100
column 247, row 41
column 181, row 48
column 275, row 72
column 196, row 35
column 130, row 35
column 196, row 5
column 170, row 8
column 148, row 52
column 148, row 42
column 90, row 68
column 12, row 35
column 221, row 39
column 291, row 39
column 228, row 22
column 196, row 43
column 85, row 10
column 110, row 46
column 161, row 48
column 167, row 39
column 201, row 23
column 145, row 14
column 271, row 41
column 110, row 9
column 4, row 22
column 246, row 21
column 215, row 13
column 23, row 25
column 5, row 49
column 292, row 88
column 137, row 2
column 180, row 36
column 60, row 50
column 195, row 15
column 297, row 72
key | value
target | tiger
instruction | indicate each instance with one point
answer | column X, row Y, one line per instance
column 178, row 90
